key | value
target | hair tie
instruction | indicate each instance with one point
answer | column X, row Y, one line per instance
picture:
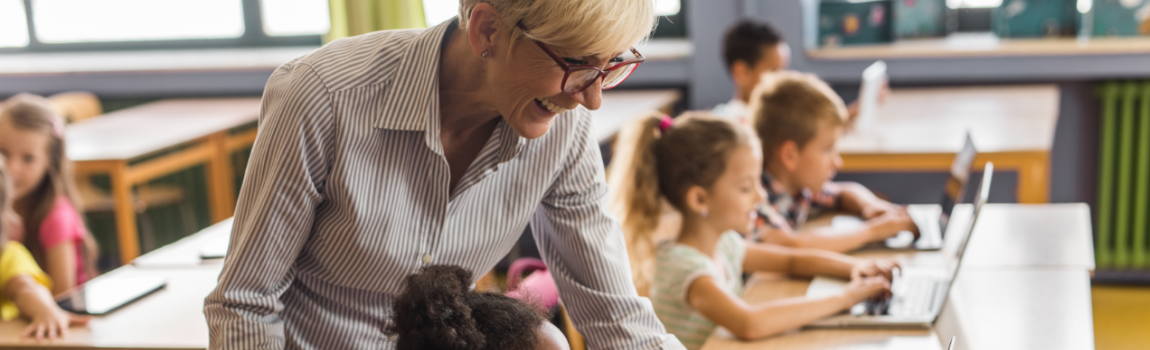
column 58, row 127
column 665, row 123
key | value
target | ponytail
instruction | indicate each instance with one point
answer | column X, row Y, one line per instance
column 635, row 198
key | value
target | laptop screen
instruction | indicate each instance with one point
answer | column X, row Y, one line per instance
column 956, row 180
column 979, row 202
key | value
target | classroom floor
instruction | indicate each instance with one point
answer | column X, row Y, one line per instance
column 1121, row 317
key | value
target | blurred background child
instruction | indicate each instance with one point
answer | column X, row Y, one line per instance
column 32, row 143
column 24, row 285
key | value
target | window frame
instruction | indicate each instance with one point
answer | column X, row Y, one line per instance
column 252, row 15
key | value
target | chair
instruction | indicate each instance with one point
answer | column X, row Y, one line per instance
column 76, row 106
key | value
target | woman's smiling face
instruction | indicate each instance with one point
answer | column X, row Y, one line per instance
column 527, row 81
column 532, row 92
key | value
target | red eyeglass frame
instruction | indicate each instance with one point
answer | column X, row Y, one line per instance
column 567, row 68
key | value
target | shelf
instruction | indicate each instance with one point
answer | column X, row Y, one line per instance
column 986, row 45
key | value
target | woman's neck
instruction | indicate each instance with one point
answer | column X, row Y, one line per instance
column 464, row 100
column 696, row 233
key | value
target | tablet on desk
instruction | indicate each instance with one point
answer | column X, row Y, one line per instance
column 103, row 295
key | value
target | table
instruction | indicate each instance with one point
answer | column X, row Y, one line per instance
column 620, row 107
column 920, row 129
column 186, row 252
column 1024, row 284
column 195, row 131
column 171, row 318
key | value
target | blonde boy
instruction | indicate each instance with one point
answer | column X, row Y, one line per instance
column 799, row 119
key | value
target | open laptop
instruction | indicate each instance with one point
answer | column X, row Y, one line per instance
column 932, row 220
column 918, row 294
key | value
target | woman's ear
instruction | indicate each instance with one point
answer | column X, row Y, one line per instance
column 483, row 29
column 789, row 155
column 697, row 200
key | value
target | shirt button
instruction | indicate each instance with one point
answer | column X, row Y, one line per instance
column 426, row 258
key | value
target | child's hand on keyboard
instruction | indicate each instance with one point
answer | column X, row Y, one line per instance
column 874, row 267
column 864, row 288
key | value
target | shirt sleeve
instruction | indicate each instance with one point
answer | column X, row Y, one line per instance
column 584, row 249
column 62, row 224
column 282, row 187
column 17, row 261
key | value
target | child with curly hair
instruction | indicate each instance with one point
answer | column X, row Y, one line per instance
column 438, row 311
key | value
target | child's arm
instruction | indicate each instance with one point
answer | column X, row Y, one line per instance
column 835, row 240
column 34, row 301
column 811, row 262
column 856, row 199
column 755, row 321
column 60, row 264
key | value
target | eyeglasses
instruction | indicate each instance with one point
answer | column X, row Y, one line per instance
column 577, row 78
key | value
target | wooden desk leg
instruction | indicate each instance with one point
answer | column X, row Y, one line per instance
column 221, row 181
column 576, row 340
column 125, row 212
column 1034, row 179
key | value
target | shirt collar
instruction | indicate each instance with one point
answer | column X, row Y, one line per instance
column 411, row 98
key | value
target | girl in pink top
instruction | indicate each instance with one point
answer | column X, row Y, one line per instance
column 32, row 143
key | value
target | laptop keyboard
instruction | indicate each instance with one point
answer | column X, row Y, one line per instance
column 910, row 297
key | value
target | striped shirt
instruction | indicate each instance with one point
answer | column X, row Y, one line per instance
column 677, row 266
column 347, row 192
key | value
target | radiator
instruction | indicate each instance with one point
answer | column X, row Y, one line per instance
column 1124, row 177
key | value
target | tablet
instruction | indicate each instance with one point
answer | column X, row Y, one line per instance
column 872, row 80
column 103, row 295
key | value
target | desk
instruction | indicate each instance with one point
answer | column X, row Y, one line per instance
column 920, row 129
column 171, row 318
column 987, row 309
column 620, row 107
column 186, row 252
column 1024, row 284
column 1032, row 236
column 200, row 127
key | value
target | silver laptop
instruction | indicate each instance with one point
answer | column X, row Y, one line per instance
column 917, row 294
column 932, row 220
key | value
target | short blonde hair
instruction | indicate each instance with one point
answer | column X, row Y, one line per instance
column 789, row 106
column 590, row 26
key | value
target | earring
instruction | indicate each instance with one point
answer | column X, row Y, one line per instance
column 703, row 213
column 485, row 53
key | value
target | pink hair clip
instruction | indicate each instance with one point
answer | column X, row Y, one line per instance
column 58, row 127
column 665, row 123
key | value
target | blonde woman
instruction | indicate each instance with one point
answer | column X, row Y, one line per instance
column 384, row 153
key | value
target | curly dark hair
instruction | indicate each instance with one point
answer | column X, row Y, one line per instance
column 437, row 310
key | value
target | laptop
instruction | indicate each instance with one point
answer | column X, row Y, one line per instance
column 932, row 220
column 107, row 293
column 918, row 294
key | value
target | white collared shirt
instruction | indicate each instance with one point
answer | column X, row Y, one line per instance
column 735, row 109
column 347, row 192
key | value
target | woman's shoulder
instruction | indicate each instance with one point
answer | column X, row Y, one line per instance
column 366, row 59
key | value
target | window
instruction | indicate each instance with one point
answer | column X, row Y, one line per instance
column 667, row 7
column 77, row 21
column 956, row 4
column 295, row 17
column 93, row 25
column 13, row 25
column 669, row 11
